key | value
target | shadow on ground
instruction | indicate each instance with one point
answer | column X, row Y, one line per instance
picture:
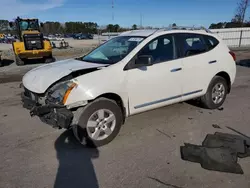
column 6, row 62
column 10, row 78
column 195, row 102
column 244, row 63
column 34, row 61
column 75, row 165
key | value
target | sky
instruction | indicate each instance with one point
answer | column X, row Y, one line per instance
column 155, row 13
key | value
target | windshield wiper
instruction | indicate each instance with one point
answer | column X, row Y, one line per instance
column 97, row 62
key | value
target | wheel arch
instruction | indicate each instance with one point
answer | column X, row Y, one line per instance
column 226, row 76
column 118, row 99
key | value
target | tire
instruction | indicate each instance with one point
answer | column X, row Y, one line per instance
column 207, row 100
column 19, row 61
column 49, row 59
column 81, row 130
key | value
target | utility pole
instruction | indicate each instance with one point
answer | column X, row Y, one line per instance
column 141, row 20
column 113, row 10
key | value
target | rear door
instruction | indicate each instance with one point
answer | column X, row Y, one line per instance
column 199, row 64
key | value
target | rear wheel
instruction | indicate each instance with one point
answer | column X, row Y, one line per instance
column 216, row 93
column 49, row 59
column 98, row 123
column 19, row 61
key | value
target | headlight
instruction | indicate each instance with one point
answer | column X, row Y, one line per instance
column 60, row 92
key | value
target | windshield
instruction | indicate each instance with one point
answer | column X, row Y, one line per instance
column 113, row 50
column 28, row 25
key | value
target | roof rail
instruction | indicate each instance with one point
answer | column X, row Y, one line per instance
column 183, row 28
column 191, row 28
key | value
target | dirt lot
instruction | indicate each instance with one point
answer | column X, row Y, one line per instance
column 145, row 154
column 9, row 72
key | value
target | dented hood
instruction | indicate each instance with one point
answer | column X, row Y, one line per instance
column 39, row 79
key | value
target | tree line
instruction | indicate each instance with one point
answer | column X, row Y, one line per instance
column 239, row 19
column 50, row 27
column 57, row 27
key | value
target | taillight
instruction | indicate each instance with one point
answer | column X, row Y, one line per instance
column 233, row 55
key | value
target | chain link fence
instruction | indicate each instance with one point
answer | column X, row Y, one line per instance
column 236, row 37
column 233, row 37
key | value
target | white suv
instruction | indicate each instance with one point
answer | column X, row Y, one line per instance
column 135, row 72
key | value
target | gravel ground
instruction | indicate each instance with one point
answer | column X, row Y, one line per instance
column 10, row 72
column 146, row 154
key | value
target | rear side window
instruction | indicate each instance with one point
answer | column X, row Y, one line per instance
column 211, row 42
column 191, row 44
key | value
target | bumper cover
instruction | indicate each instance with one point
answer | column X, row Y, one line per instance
column 55, row 115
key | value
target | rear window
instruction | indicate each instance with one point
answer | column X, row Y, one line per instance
column 211, row 42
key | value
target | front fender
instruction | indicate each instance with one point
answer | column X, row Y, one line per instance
column 109, row 80
column 81, row 95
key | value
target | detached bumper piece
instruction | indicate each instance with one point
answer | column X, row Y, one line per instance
column 54, row 115
column 219, row 152
column 216, row 159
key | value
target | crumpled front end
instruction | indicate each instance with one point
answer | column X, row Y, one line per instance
column 56, row 115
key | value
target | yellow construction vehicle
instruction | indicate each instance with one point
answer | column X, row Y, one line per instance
column 30, row 43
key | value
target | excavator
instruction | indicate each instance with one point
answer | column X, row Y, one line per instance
column 30, row 43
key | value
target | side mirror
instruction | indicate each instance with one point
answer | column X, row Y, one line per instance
column 11, row 24
column 144, row 60
column 41, row 24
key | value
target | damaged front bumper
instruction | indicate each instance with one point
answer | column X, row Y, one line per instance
column 58, row 116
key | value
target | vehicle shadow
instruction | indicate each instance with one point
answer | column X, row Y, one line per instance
column 6, row 62
column 195, row 102
column 34, row 61
column 244, row 63
column 75, row 165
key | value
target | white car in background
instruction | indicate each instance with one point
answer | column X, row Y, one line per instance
column 135, row 72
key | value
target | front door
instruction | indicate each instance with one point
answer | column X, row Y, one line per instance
column 154, row 86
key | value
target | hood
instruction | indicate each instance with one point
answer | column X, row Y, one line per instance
column 39, row 79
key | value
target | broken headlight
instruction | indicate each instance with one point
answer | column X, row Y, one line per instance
column 59, row 93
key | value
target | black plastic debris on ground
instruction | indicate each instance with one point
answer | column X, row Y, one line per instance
column 218, row 152
column 220, row 108
column 216, row 126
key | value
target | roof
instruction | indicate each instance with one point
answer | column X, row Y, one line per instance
column 146, row 33
column 142, row 33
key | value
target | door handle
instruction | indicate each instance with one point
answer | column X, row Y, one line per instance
column 176, row 69
column 211, row 62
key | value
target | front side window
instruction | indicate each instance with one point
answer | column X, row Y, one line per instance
column 192, row 44
column 114, row 50
column 161, row 49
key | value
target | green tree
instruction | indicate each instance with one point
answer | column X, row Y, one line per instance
column 4, row 25
column 116, row 28
column 80, row 27
column 134, row 27
column 110, row 27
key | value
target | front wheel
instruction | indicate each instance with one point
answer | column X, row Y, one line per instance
column 216, row 93
column 98, row 123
